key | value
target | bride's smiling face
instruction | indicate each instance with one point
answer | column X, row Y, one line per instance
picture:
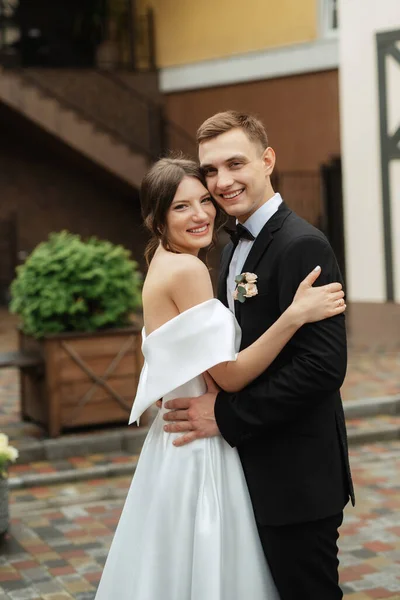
column 190, row 218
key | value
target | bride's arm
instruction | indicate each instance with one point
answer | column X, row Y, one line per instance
column 192, row 285
column 309, row 305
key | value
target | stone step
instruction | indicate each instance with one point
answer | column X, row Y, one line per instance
column 72, row 469
column 110, row 459
column 131, row 438
column 122, row 440
column 369, row 407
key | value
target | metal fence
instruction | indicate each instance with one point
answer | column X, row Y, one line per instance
column 302, row 192
column 8, row 254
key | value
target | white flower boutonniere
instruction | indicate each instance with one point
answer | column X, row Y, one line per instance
column 245, row 286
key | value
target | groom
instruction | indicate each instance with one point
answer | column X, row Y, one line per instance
column 288, row 425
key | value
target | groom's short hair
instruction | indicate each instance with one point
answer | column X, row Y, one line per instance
column 232, row 119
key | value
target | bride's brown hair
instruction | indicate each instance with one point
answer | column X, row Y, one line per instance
column 157, row 192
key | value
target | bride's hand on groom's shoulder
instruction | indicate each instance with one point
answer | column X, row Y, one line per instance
column 194, row 417
column 315, row 303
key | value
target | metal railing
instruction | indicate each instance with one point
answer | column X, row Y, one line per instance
column 116, row 108
column 8, row 254
column 100, row 123
column 166, row 136
column 302, row 191
column 144, row 42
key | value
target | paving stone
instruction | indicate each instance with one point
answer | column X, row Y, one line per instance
column 48, row 587
column 24, row 595
column 64, row 546
column 36, row 574
column 47, row 533
column 364, row 553
column 9, row 586
column 57, row 596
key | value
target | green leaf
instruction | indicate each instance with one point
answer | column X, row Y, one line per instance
column 239, row 278
column 241, row 293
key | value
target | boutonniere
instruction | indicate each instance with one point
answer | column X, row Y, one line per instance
column 245, row 286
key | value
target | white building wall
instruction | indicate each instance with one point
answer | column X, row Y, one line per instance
column 360, row 20
column 393, row 73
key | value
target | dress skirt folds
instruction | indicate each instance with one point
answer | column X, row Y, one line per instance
column 187, row 530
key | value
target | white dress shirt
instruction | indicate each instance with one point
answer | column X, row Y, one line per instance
column 254, row 224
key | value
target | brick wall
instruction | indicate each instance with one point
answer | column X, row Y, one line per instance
column 49, row 188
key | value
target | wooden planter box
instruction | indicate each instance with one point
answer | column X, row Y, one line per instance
column 86, row 378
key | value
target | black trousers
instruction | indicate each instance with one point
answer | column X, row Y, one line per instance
column 303, row 558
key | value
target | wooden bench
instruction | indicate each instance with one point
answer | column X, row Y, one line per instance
column 20, row 360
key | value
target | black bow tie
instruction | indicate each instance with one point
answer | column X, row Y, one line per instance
column 239, row 233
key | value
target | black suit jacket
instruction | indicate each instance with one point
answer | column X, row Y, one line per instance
column 288, row 424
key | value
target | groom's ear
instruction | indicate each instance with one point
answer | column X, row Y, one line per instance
column 268, row 158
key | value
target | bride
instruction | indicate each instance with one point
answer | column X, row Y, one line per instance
column 187, row 530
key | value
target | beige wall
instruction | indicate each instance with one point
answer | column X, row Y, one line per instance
column 301, row 114
column 188, row 31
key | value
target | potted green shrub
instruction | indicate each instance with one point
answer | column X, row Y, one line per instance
column 75, row 299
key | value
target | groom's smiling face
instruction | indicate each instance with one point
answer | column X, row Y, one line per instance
column 237, row 172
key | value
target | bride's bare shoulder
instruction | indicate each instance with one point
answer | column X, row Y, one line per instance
column 173, row 265
column 182, row 278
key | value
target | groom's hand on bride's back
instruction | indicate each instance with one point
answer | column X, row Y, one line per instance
column 194, row 417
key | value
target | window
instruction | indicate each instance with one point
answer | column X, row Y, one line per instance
column 329, row 10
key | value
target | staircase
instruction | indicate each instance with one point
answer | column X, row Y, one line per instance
column 101, row 115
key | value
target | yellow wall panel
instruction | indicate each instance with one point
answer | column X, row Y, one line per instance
column 188, row 31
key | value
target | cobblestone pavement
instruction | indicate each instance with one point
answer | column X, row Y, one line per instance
column 74, row 463
column 60, row 536
column 371, row 374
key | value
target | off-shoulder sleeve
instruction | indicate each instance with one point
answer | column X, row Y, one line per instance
column 194, row 341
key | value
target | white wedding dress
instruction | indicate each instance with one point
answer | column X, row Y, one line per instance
column 187, row 530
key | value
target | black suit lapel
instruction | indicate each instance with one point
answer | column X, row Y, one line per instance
column 264, row 238
column 260, row 246
column 223, row 273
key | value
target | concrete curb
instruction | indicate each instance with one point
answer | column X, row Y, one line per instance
column 382, row 434
column 130, row 441
column 125, row 440
column 387, row 432
column 372, row 407
column 72, row 475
